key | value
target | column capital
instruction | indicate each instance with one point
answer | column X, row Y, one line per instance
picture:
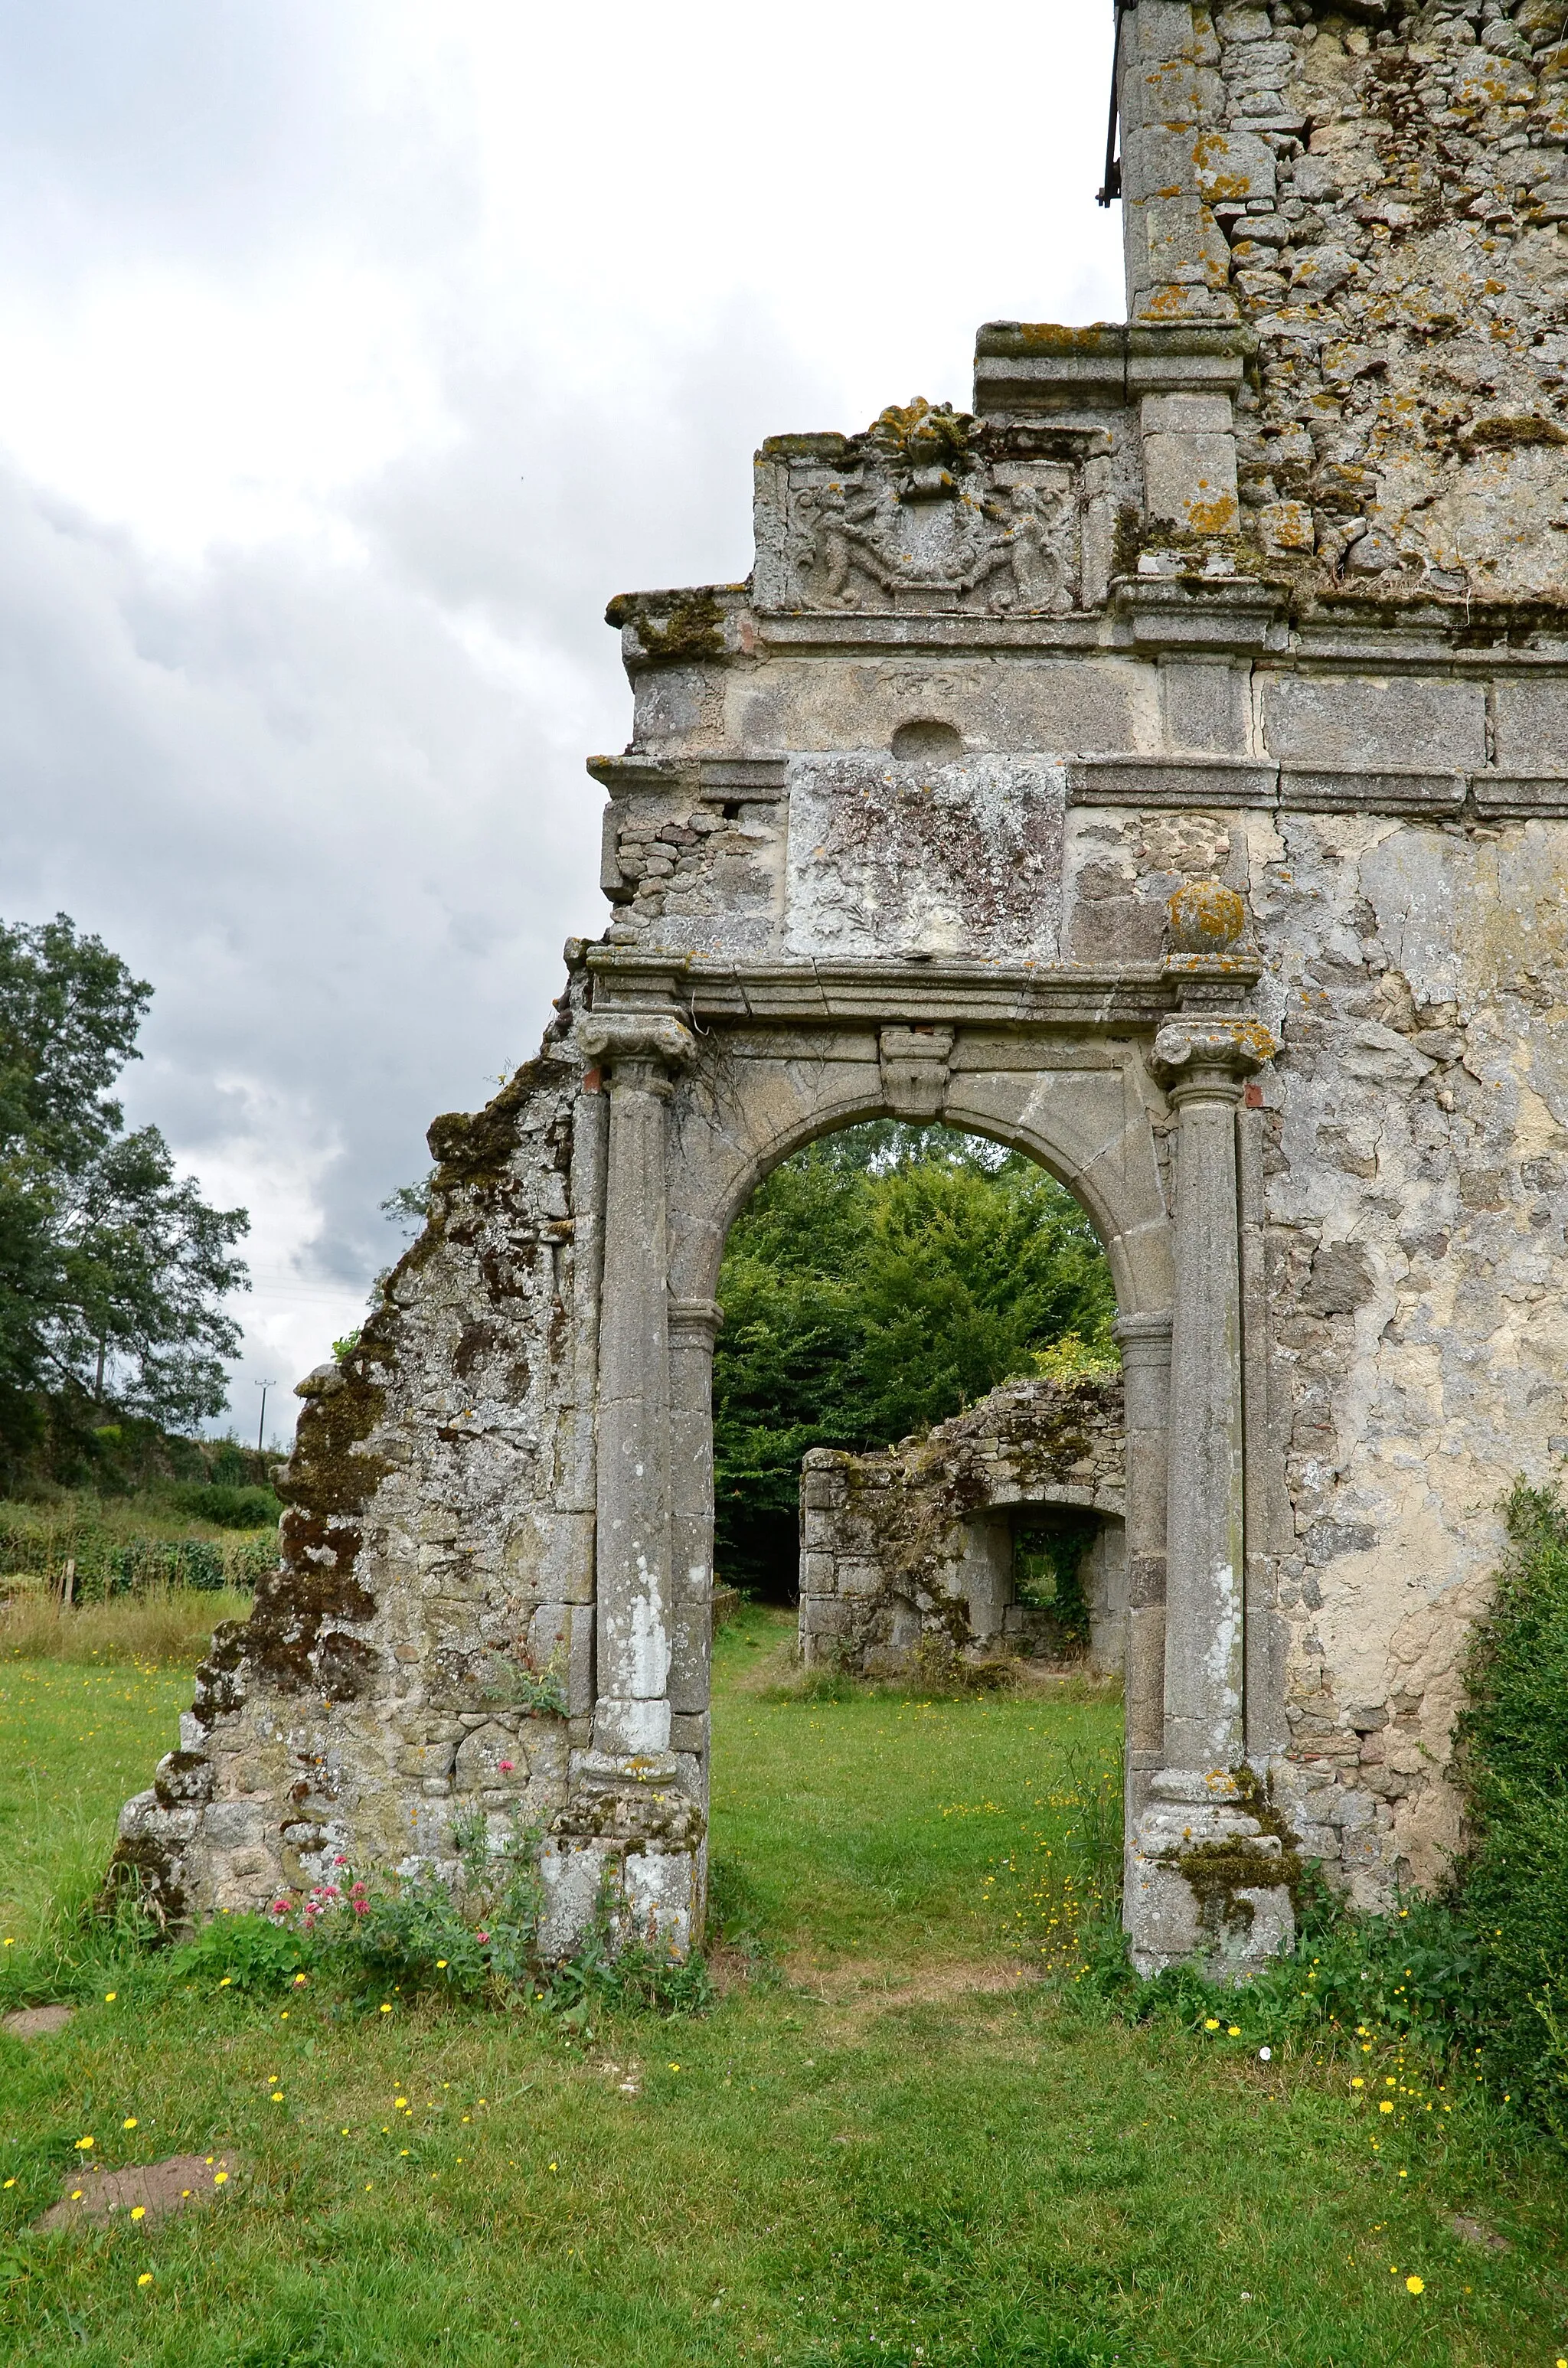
column 1144, row 1332
column 695, row 1320
column 656, row 1042
column 1215, row 1056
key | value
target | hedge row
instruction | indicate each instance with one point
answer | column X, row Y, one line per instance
column 108, row 1566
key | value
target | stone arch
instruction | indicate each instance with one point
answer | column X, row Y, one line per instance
column 1091, row 1128
column 1083, row 1104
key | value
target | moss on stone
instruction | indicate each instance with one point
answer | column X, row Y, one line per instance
column 673, row 628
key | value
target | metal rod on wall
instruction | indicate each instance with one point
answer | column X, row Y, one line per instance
column 1111, row 189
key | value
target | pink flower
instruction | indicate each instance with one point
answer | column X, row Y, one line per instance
column 482, row 1937
column 505, row 1766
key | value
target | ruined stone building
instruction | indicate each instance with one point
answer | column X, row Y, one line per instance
column 1161, row 769
column 933, row 1539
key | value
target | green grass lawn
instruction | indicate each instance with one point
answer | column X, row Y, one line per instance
column 880, row 2155
column 75, row 1742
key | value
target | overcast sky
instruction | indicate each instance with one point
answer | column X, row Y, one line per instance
column 353, row 353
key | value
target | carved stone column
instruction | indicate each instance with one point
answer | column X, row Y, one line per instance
column 1145, row 1343
column 1206, row 1877
column 633, row 1573
column 633, row 1817
column 694, row 1326
column 1204, row 1070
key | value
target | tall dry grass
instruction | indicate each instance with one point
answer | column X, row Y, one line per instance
column 167, row 1627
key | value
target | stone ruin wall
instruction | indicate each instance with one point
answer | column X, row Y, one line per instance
column 1382, row 191
column 1378, row 194
column 435, row 1572
column 1265, row 587
column 916, row 1540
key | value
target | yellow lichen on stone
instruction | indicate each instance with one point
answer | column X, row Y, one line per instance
column 1205, row 917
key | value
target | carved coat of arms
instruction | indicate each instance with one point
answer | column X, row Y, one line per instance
column 927, row 511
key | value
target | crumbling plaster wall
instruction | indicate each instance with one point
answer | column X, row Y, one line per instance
column 907, row 1542
column 1415, row 1175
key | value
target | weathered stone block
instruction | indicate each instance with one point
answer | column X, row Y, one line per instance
column 1402, row 723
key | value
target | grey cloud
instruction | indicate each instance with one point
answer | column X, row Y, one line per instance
column 334, row 807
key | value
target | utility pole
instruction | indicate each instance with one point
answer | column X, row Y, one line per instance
column 261, row 1426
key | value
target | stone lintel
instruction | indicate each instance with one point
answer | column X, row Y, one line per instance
column 1218, row 613
column 710, row 777
column 1033, row 365
column 905, row 993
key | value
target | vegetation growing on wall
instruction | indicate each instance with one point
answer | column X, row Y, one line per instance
column 876, row 1282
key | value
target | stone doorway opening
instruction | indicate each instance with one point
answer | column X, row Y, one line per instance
column 880, row 1282
column 952, row 1572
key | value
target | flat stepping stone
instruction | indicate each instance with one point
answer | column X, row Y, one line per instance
column 1475, row 2232
column 37, row 2021
column 146, row 2191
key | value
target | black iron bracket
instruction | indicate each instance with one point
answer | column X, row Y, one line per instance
column 1108, row 194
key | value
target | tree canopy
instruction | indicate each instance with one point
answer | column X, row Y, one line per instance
column 112, row 1268
column 875, row 1283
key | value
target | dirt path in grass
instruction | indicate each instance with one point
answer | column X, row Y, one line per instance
column 861, row 1991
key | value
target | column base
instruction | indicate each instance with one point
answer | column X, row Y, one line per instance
column 626, row 1858
column 1207, row 1885
column 624, row 1724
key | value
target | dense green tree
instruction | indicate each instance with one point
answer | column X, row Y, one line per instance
column 875, row 1283
column 112, row 1268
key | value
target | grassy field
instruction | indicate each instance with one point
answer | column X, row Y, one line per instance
column 893, row 2150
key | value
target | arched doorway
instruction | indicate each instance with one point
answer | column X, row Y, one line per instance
column 1085, row 1082
column 707, row 1115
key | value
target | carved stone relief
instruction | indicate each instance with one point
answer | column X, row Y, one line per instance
column 930, row 512
column 946, row 860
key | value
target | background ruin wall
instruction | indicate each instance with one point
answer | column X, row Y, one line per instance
column 917, row 1542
